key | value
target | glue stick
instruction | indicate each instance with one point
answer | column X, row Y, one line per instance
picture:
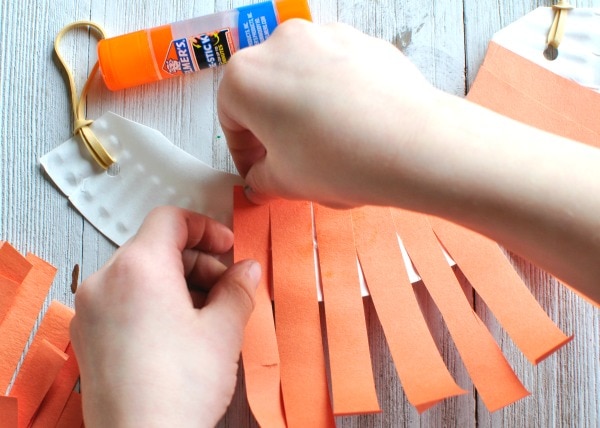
column 188, row 46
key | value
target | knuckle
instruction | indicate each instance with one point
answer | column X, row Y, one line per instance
column 292, row 27
column 163, row 211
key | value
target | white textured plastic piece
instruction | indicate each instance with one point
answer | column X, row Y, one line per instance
column 579, row 51
column 150, row 171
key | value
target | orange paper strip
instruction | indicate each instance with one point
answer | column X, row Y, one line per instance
column 352, row 384
column 13, row 270
column 503, row 291
column 12, row 264
column 493, row 377
column 260, row 355
column 20, row 319
column 425, row 378
column 522, row 90
column 8, row 292
column 55, row 325
column 55, row 400
column 42, row 363
column 72, row 415
column 8, row 412
column 297, row 318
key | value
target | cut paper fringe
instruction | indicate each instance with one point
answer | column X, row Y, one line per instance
column 42, row 392
column 508, row 84
column 311, row 244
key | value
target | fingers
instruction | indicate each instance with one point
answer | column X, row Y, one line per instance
column 177, row 228
column 230, row 302
column 201, row 270
column 244, row 147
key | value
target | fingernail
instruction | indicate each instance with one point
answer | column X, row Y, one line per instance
column 254, row 197
column 254, row 273
column 250, row 193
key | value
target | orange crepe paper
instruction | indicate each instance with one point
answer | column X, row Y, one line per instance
column 8, row 412
column 493, row 377
column 55, row 400
column 352, row 384
column 20, row 319
column 72, row 415
column 516, row 87
column 260, row 354
column 297, row 319
column 424, row 376
column 40, row 367
column 8, row 291
column 13, row 269
column 12, row 264
column 55, row 325
column 504, row 292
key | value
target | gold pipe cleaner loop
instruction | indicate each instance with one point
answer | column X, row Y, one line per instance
column 80, row 123
column 557, row 30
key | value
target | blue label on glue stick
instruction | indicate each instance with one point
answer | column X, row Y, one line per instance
column 256, row 23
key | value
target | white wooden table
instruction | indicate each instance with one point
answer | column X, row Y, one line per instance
column 447, row 40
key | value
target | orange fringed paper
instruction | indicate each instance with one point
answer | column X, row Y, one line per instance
column 504, row 292
column 20, row 318
column 352, row 384
column 41, row 365
column 56, row 399
column 297, row 319
column 46, row 379
column 260, row 355
column 424, row 376
column 13, row 270
column 300, row 231
column 493, row 377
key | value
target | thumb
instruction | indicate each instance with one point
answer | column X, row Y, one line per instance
column 231, row 300
column 257, row 182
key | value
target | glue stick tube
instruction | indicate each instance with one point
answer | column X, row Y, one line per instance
column 188, row 46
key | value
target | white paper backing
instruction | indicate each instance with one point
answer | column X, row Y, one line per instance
column 150, row 171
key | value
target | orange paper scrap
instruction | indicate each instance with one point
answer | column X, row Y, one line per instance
column 8, row 291
column 42, row 363
column 424, row 376
column 72, row 415
column 12, row 264
column 8, row 412
column 493, row 377
column 13, row 269
column 504, row 292
column 55, row 325
column 260, row 354
column 352, row 384
column 56, row 398
column 21, row 317
column 297, row 319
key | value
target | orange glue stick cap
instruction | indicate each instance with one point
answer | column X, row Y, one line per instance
column 128, row 60
column 288, row 9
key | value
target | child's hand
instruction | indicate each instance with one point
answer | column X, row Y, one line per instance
column 147, row 356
